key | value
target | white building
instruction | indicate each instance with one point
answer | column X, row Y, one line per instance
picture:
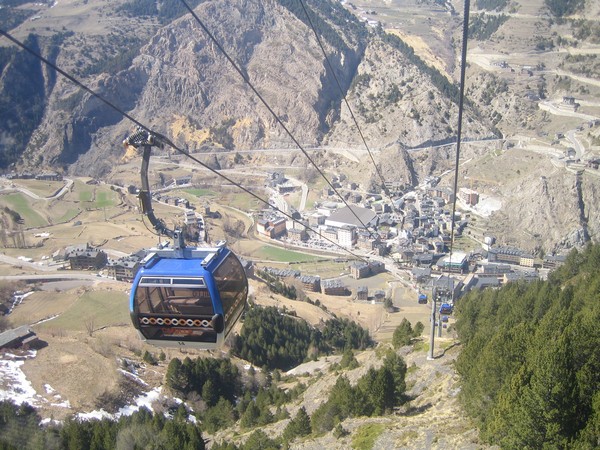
column 354, row 216
column 346, row 236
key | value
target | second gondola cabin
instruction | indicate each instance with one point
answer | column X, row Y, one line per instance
column 188, row 298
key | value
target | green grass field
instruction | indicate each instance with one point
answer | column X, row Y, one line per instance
column 364, row 438
column 201, row 192
column 104, row 308
column 68, row 215
column 282, row 255
column 105, row 199
column 243, row 201
column 21, row 204
column 85, row 193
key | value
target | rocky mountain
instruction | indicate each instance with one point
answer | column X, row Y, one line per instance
column 182, row 85
column 397, row 72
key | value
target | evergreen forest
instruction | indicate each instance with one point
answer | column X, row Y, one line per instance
column 275, row 339
column 530, row 363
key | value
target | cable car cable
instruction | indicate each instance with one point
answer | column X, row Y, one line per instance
column 238, row 185
column 167, row 140
column 377, row 169
column 463, row 66
column 273, row 113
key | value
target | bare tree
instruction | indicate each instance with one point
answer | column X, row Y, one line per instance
column 90, row 326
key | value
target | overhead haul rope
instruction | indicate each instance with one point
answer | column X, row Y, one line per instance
column 463, row 67
column 164, row 138
column 377, row 169
column 273, row 113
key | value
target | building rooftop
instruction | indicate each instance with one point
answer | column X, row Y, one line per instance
column 346, row 216
column 10, row 336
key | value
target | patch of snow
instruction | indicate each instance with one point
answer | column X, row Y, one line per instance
column 14, row 385
column 49, row 421
column 133, row 376
column 65, row 404
column 47, row 319
column 95, row 415
column 18, row 297
column 145, row 400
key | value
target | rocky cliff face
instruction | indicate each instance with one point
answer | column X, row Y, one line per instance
column 182, row 85
column 395, row 101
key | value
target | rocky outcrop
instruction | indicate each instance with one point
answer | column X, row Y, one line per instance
column 394, row 101
column 181, row 75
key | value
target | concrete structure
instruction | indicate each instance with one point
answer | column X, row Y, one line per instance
column 360, row 270
column 84, row 257
column 354, row 215
column 330, row 234
column 495, row 269
column 553, row 261
column 271, row 227
column 311, row 283
column 528, row 277
column 124, row 269
column 457, row 262
column 366, row 241
column 362, row 293
column 346, row 236
column 510, row 255
column 333, row 287
column 49, row 176
column 468, row 196
column 21, row 337
column 297, row 235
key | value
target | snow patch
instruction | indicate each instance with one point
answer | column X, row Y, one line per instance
column 144, row 400
column 14, row 385
column 47, row 319
column 133, row 376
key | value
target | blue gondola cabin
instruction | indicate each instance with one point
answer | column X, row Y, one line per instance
column 191, row 297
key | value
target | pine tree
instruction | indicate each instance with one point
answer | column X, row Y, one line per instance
column 402, row 334
column 250, row 416
column 302, row 420
column 397, row 367
column 209, row 393
column 174, row 378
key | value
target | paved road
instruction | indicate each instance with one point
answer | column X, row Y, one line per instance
column 19, row 262
column 33, row 195
column 63, row 275
column 579, row 148
column 548, row 106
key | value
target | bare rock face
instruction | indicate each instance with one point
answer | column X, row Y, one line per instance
column 394, row 101
column 182, row 85
column 395, row 165
column 550, row 211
